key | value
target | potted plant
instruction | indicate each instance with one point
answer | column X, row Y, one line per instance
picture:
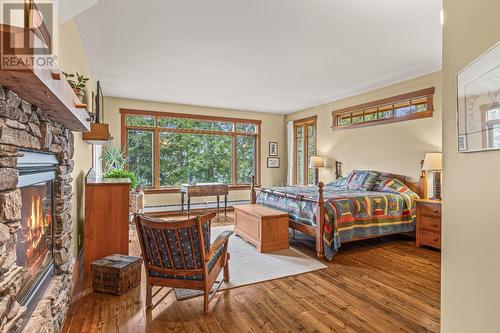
column 114, row 159
column 122, row 174
column 114, row 164
column 78, row 83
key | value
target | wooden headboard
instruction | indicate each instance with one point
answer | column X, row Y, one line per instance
column 419, row 187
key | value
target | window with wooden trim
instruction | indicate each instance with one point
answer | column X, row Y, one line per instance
column 491, row 128
column 304, row 138
column 414, row 105
column 165, row 150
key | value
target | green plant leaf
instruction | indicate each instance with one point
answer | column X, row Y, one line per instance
column 122, row 174
column 80, row 82
column 114, row 159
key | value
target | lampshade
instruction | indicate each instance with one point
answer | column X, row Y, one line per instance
column 432, row 162
column 316, row 162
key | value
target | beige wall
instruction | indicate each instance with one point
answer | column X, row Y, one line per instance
column 470, row 299
column 273, row 129
column 396, row 148
column 72, row 59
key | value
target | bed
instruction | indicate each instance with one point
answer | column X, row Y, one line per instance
column 335, row 215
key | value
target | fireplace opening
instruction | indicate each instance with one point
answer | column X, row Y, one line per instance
column 35, row 237
column 34, row 247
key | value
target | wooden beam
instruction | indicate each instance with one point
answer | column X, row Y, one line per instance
column 38, row 86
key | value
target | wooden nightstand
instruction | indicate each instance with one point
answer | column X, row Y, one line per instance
column 428, row 223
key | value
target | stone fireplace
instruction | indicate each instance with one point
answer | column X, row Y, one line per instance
column 36, row 255
column 35, row 236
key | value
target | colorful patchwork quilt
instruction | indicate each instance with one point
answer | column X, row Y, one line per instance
column 349, row 213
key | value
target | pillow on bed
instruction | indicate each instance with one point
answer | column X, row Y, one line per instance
column 380, row 183
column 340, row 182
column 394, row 185
column 397, row 186
column 362, row 179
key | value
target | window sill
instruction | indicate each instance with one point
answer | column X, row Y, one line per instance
column 177, row 189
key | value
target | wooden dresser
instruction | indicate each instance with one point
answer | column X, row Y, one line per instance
column 106, row 218
column 428, row 223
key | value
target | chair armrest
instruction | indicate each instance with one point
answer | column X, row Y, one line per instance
column 220, row 241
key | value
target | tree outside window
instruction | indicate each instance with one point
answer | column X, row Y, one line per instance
column 165, row 150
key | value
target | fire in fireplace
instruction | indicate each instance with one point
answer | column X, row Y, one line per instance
column 34, row 238
column 34, row 245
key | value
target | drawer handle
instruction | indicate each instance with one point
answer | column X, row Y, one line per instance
column 435, row 225
column 436, row 239
column 435, row 211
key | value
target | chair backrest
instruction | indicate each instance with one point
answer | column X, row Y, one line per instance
column 173, row 247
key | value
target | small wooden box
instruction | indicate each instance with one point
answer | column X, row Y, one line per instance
column 116, row 274
column 264, row 227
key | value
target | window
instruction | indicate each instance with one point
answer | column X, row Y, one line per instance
column 165, row 150
column 304, row 136
column 414, row 105
column 491, row 134
column 140, row 155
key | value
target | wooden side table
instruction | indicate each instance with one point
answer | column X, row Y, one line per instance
column 428, row 223
column 106, row 226
column 204, row 190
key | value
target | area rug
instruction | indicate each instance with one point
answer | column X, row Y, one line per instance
column 247, row 266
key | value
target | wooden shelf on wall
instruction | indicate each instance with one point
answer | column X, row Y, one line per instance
column 99, row 134
column 44, row 87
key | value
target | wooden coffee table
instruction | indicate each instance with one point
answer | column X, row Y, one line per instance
column 204, row 190
column 264, row 227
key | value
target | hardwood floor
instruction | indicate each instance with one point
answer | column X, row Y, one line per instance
column 380, row 285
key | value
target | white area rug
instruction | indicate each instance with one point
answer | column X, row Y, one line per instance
column 247, row 266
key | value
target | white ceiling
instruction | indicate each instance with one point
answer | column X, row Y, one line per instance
column 262, row 55
column 68, row 9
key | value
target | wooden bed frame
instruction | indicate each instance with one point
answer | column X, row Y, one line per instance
column 317, row 231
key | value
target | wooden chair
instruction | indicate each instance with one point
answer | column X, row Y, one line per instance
column 177, row 256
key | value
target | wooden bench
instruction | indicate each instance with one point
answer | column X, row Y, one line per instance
column 264, row 227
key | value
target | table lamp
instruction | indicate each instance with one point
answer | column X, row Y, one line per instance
column 433, row 163
column 314, row 163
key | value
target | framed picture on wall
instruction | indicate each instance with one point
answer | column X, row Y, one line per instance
column 478, row 103
column 273, row 149
column 273, row 162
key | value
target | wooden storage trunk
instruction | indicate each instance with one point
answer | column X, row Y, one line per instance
column 116, row 274
column 264, row 227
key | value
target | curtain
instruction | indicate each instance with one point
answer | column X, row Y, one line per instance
column 289, row 129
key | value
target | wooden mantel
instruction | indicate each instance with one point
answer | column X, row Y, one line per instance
column 46, row 88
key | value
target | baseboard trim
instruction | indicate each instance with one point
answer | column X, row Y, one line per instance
column 193, row 212
column 77, row 269
column 79, row 288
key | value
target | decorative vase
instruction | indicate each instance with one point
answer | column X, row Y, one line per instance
column 79, row 93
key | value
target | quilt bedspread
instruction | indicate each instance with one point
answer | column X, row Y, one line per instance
column 349, row 213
